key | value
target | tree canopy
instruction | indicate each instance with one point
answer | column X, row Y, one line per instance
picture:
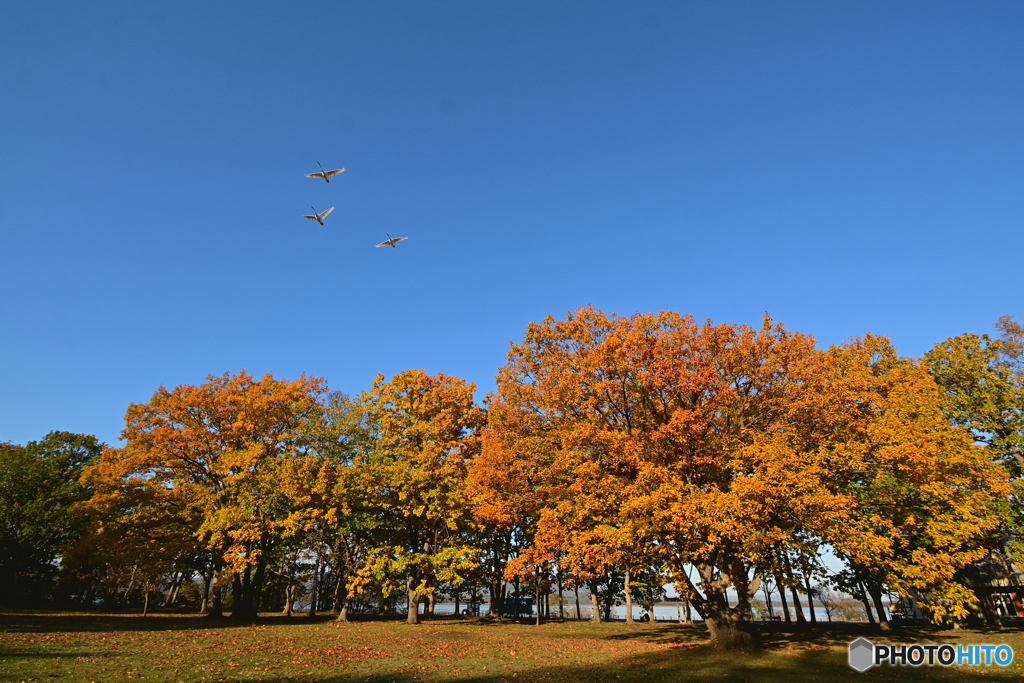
column 617, row 455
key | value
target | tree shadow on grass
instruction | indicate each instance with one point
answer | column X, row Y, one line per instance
column 775, row 637
column 672, row 665
column 65, row 622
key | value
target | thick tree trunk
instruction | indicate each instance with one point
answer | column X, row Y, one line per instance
column 730, row 631
column 730, row 628
column 629, row 600
column 876, row 597
column 596, row 616
column 237, row 596
column 217, row 608
column 413, row 614
column 495, row 607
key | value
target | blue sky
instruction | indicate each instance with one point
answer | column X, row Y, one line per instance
column 848, row 167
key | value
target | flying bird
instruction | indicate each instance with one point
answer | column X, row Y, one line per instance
column 391, row 241
column 326, row 175
column 319, row 217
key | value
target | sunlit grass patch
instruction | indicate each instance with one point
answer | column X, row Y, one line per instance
column 99, row 647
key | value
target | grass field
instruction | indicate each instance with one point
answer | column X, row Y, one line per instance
column 41, row 646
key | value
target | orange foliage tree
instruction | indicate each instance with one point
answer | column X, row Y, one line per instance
column 213, row 450
column 717, row 445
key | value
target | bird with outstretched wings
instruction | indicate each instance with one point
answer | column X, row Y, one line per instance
column 391, row 241
column 319, row 217
column 326, row 175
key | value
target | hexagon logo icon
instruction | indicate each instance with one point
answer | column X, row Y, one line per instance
column 862, row 654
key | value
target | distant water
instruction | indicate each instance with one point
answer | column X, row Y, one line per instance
column 661, row 612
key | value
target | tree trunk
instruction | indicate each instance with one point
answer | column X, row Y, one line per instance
column 256, row 589
column 782, row 598
column 314, row 591
column 596, row 616
column 536, row 601
column 689, row 619
column 145, row 602
column 561, row 600
column 217, row 609
column 341, row 594
column 495, row 607
column 768, row 599
column 797, row 606
column 413, row 615
column 864, row 599
column 729, row 631
column 237, row 595
column 679, row 612
column 876, row 597
column 170, row 589
column 629, row 600
column 207, row 580
column 810, row 601
column 131, row 580
column 578, row 613
column 730, row 628
column 182, row 578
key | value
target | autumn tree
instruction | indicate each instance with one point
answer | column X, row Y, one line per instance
column 722, row 445
column 331, row 509
column 923, row 496
column 135, row 528
column 214, row 448
column 982, row 382
column 423, row 431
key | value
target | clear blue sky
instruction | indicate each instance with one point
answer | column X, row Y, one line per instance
column 848, row 167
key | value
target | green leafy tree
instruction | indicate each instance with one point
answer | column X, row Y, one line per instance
column 39, row 485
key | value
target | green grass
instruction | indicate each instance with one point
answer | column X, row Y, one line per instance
column 41, row 646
